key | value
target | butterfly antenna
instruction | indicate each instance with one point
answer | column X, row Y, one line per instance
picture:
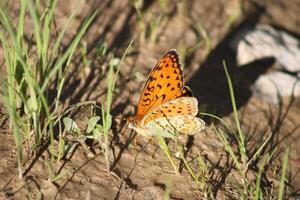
column 124, row 128
column 130, row 96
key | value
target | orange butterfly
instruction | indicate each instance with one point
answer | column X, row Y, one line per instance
column 166, row 106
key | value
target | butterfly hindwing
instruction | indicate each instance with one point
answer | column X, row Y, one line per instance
column 179, row 106
column 175, row 125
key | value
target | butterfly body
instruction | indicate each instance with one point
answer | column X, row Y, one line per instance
column 166, row 106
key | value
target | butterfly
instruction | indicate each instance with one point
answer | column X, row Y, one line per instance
column 166, row 106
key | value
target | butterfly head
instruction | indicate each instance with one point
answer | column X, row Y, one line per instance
column 131, row 122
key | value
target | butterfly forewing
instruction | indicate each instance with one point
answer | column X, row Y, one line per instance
column 165, row 82
column 185, row 92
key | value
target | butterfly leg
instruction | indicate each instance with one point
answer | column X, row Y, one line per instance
column 142, row 141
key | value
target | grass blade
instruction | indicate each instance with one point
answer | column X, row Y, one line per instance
column 283, row 174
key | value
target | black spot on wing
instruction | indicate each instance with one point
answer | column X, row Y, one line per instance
column 151, row 89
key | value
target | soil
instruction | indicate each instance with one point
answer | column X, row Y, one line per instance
column 139, row 167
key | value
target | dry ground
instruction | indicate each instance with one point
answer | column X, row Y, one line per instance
column 141, row 170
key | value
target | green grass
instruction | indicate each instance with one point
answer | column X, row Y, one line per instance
column 112, row 76
column 32, row 68
column 283, row 174
column 94, row 130
column 167, row 152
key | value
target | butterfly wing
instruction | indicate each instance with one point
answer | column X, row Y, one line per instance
column 165, row 82
column 185, row 92
column 175, row 125
column 174, row 117
column 179, row 106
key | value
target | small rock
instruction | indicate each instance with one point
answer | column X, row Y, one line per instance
column 265, row 41
column 272, row 86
